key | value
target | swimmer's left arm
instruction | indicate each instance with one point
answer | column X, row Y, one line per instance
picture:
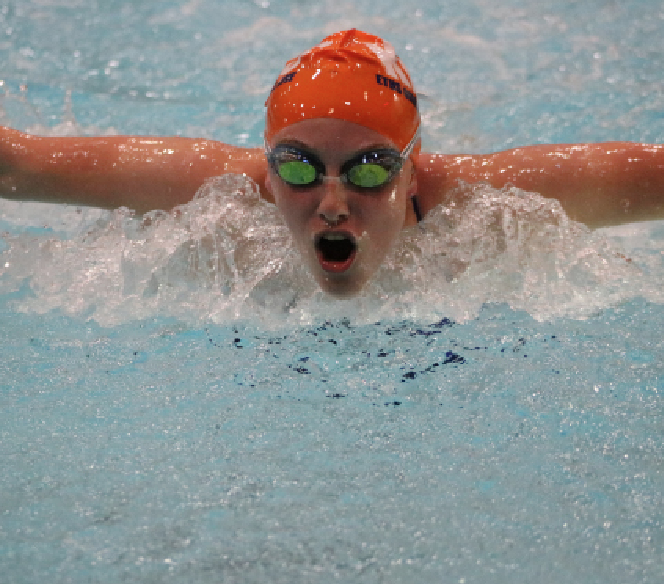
column 597, row 184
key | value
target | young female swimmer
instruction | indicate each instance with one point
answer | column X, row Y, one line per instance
column 342, row 162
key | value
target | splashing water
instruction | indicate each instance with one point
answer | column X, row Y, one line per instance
column 228, row 254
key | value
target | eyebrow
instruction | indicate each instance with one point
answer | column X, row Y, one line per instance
column 297, row 143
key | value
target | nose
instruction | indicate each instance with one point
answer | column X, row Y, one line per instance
column 333, row 206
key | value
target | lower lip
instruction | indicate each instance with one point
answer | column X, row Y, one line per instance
column 336, row 267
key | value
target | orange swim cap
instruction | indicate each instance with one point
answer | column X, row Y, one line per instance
column 352, row 76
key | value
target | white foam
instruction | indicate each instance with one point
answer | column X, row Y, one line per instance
column 227, row 255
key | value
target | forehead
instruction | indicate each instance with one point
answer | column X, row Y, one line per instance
column 332, row 137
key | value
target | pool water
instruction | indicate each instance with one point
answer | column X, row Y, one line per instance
column 179, row 403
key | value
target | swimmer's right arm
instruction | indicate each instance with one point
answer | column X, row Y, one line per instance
column 141, row 173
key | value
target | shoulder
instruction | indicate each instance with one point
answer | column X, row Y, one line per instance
column 438, row 177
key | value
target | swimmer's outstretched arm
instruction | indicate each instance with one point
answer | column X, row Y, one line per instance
column 597, row 184
column 114, row 171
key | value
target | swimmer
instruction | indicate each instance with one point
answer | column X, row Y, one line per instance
column 342, row 162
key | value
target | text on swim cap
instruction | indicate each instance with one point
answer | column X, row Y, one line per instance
column 396, row 86
column 285, row 79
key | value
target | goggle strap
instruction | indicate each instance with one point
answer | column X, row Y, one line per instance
column 408, row 150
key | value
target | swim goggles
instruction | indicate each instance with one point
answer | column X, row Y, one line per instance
column 368, row 170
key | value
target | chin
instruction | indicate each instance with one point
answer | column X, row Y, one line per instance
column 341, row 287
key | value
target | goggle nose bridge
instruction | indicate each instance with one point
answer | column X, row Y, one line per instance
column 331, row 179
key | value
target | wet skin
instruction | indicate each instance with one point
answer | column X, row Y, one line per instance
column 322, row 216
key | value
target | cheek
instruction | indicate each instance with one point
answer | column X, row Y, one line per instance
column 294, row 210
column 391, row 212
column 383, row 222
column 396, row 202
column 281, row 199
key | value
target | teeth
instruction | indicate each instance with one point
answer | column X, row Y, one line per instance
column 335, row 237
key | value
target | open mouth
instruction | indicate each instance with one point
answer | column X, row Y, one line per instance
column 336, row 251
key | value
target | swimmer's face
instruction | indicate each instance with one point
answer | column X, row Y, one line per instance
column 342, row 231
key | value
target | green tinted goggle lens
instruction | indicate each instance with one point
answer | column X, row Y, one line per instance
column 297, row 172
column 368, row 175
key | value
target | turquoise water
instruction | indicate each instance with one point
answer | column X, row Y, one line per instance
column 178, row 402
